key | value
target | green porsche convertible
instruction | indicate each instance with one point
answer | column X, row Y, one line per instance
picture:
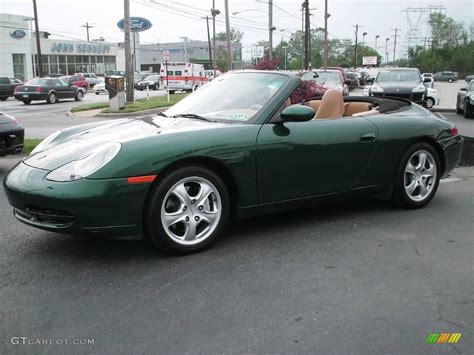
column 239, row 146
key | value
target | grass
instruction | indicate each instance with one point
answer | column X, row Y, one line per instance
column 139, row 105
column 30, row 144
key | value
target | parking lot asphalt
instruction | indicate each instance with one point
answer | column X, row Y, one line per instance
column 355, row 278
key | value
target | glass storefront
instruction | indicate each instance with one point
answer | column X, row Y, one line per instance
column 18, row 66
column 71, row 64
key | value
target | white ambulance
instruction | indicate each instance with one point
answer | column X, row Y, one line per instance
column 182, row 76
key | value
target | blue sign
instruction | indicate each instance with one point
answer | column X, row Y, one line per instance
column 137, row 24
column 18, row 33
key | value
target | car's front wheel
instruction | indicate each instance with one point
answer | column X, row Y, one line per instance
column 186, row 210
column 468, row 110
column 450, row 80
column 417, row 176
column 459, row 111
column 51, row 98
column 79, row 96
column 429, row 102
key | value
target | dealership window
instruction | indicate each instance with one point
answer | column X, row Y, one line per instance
column 71, row 64
column 19, row 66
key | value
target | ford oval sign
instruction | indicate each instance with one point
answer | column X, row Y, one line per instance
column 18, row 33
column 137, row 24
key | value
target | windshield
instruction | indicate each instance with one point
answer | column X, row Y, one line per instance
column 471, row 86
column 328, row 77
column 236, row 97
column 398, row 75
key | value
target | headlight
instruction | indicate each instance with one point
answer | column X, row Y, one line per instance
column 45, row 143
column 83, row 167
column 471, row 96
column 420, row 88
column 376, row 89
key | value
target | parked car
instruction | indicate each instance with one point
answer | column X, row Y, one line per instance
column 465, row 100
column 352, row 80
column 429, row 76
column 7, row 87
column 91, row 78
column 12, row 135
column 330, row 79
column 236, row 147
column 468, row 78
column 152, row 81
column 432, row 98
column 100, row 88
column 49, row 89
column 404, row 83
column 448, row 76
column 340, row 69
column 100, row 75
column 77, row 80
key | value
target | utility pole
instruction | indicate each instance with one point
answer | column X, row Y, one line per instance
column 395, row 41
column 326, row 16
column 303, row 36
column 363, row 38
column 128, row 52
column 38, row 44
column 227, row 30
column 270, row 29
column 307, row 58
column 209, row 41
column 355, row 47
column 87, row 26
column 214, row 13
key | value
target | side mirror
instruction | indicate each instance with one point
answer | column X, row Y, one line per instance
column 297, row 113
column 370, row 80
column 427, row 80
column 463, row 89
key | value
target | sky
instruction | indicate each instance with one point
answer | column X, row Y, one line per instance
column 173, row 19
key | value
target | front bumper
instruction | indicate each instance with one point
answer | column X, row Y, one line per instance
column 109, row 207
column 418, row 98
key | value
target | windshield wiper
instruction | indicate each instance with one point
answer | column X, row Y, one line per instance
column 161, row 113
column 193, row 115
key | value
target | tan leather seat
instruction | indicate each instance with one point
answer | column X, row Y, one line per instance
column 314, row 104
column 356, row 107
column 332, row 105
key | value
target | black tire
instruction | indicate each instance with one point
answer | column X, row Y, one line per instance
column 171, row 92
column 4, row 98
column 52, row 98
column 79, row 95
column 27, row 102
column 459, row 111
column 97, row 93
column 450, row 80
column 153, row 227
column 400, row 196
column 429, row 103
column 468, row 110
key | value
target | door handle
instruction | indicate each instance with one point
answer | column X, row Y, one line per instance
column 368, row 137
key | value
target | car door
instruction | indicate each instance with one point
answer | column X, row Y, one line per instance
column 316, row 157
column 64, row 89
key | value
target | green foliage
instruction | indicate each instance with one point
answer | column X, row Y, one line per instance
column 235, row 35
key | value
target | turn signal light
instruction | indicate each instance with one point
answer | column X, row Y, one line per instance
column 141, row 179
column 454, row 131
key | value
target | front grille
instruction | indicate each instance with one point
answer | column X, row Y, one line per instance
column 47, row 216
column 411, row 96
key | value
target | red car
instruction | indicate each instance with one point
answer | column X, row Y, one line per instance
column 77, row 80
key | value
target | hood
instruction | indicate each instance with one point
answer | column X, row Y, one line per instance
column 67, row 147
column 4, row 118
column 400, row 85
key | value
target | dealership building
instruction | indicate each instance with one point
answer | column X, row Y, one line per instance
column 18, row 57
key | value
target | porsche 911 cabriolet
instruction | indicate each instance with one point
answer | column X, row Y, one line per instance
column 239, row 146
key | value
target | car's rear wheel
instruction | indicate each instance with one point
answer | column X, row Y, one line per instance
column 79, row 95
column 27, row 102
column 186, row 210
column 4, row 98
column 417, row 176
column 429, row 102
column 450, row 80
column 51, row 98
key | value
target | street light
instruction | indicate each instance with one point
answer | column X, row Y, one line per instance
column 376, row 37
column 386, row 50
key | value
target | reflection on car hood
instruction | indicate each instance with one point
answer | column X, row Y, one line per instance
column 68, row 147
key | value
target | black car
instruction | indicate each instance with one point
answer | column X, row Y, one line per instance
column 405, row 83
column 448, row 76
column 152, row 81
column 352, row 81
column 49, row 89
column 465, row 101
column 7, row 87
column 11, row 135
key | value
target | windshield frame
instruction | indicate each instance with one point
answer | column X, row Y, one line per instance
column 262, row 114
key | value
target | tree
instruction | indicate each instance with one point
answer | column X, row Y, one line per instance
column 221, row 51
column 235, row 35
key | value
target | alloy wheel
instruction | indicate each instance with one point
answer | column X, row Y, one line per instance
column 191, row 210
column 420, row 175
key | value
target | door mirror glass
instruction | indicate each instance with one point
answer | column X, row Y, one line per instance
column 297, row 113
